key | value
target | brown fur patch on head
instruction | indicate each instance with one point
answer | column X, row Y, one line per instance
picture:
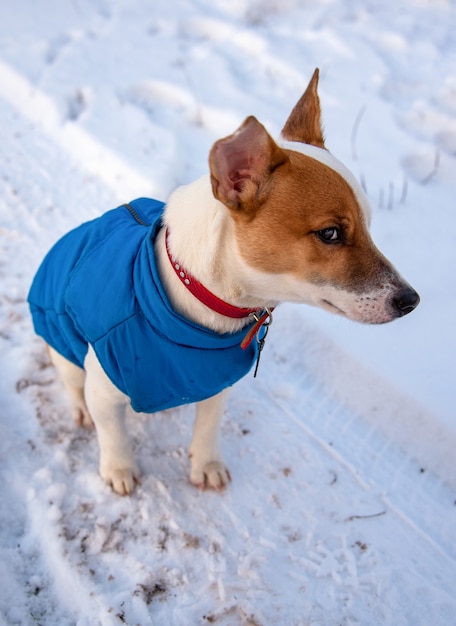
column 305, row 197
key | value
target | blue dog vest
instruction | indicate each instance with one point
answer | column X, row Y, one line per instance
column 99, row 285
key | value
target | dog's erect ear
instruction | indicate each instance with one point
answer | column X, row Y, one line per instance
column 304, row 123
column 242, row 163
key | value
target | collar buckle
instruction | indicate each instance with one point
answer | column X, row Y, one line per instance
column 263, row 321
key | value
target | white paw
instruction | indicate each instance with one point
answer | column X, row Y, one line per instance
column 122, row 480
column 212, row 475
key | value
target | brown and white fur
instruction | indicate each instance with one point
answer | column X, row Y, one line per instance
column 272, row 222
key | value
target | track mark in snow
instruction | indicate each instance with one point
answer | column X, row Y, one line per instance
column 155, row 96
column 84, row 148
column 170, row 105
column 378, row 464
column 57, row 46
column 301, row 423
column 78, row 103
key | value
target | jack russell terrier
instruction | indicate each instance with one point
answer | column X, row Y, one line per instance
column 158, row 306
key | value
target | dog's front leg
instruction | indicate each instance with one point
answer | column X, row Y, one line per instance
column 207, row 467
column 107, row 406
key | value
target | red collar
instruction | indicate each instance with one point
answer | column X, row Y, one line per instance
column 261, row 315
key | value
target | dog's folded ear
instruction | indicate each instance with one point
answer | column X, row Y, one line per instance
column 242, row 164
column 304, row 123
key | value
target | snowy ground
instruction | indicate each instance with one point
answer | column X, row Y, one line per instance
column 342, row 509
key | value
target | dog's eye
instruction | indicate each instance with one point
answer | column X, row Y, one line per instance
column 329, row 235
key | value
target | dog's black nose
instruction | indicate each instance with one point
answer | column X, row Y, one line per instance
column 405, row 300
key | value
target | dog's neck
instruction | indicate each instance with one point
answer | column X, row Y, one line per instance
column 201, row 237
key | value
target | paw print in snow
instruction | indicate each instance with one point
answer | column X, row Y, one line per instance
column 337, row 564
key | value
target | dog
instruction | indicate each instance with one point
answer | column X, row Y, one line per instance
column 157, row 306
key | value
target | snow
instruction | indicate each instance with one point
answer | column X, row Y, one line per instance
column 342, row 506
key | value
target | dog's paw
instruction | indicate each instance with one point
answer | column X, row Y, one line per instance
column 121, row 480
column 212, row 475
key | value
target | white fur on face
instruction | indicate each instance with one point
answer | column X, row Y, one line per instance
column 372, row 307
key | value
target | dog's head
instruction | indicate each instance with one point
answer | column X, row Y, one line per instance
column 301, row 220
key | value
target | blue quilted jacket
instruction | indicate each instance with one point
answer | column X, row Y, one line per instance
column 99, row 285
